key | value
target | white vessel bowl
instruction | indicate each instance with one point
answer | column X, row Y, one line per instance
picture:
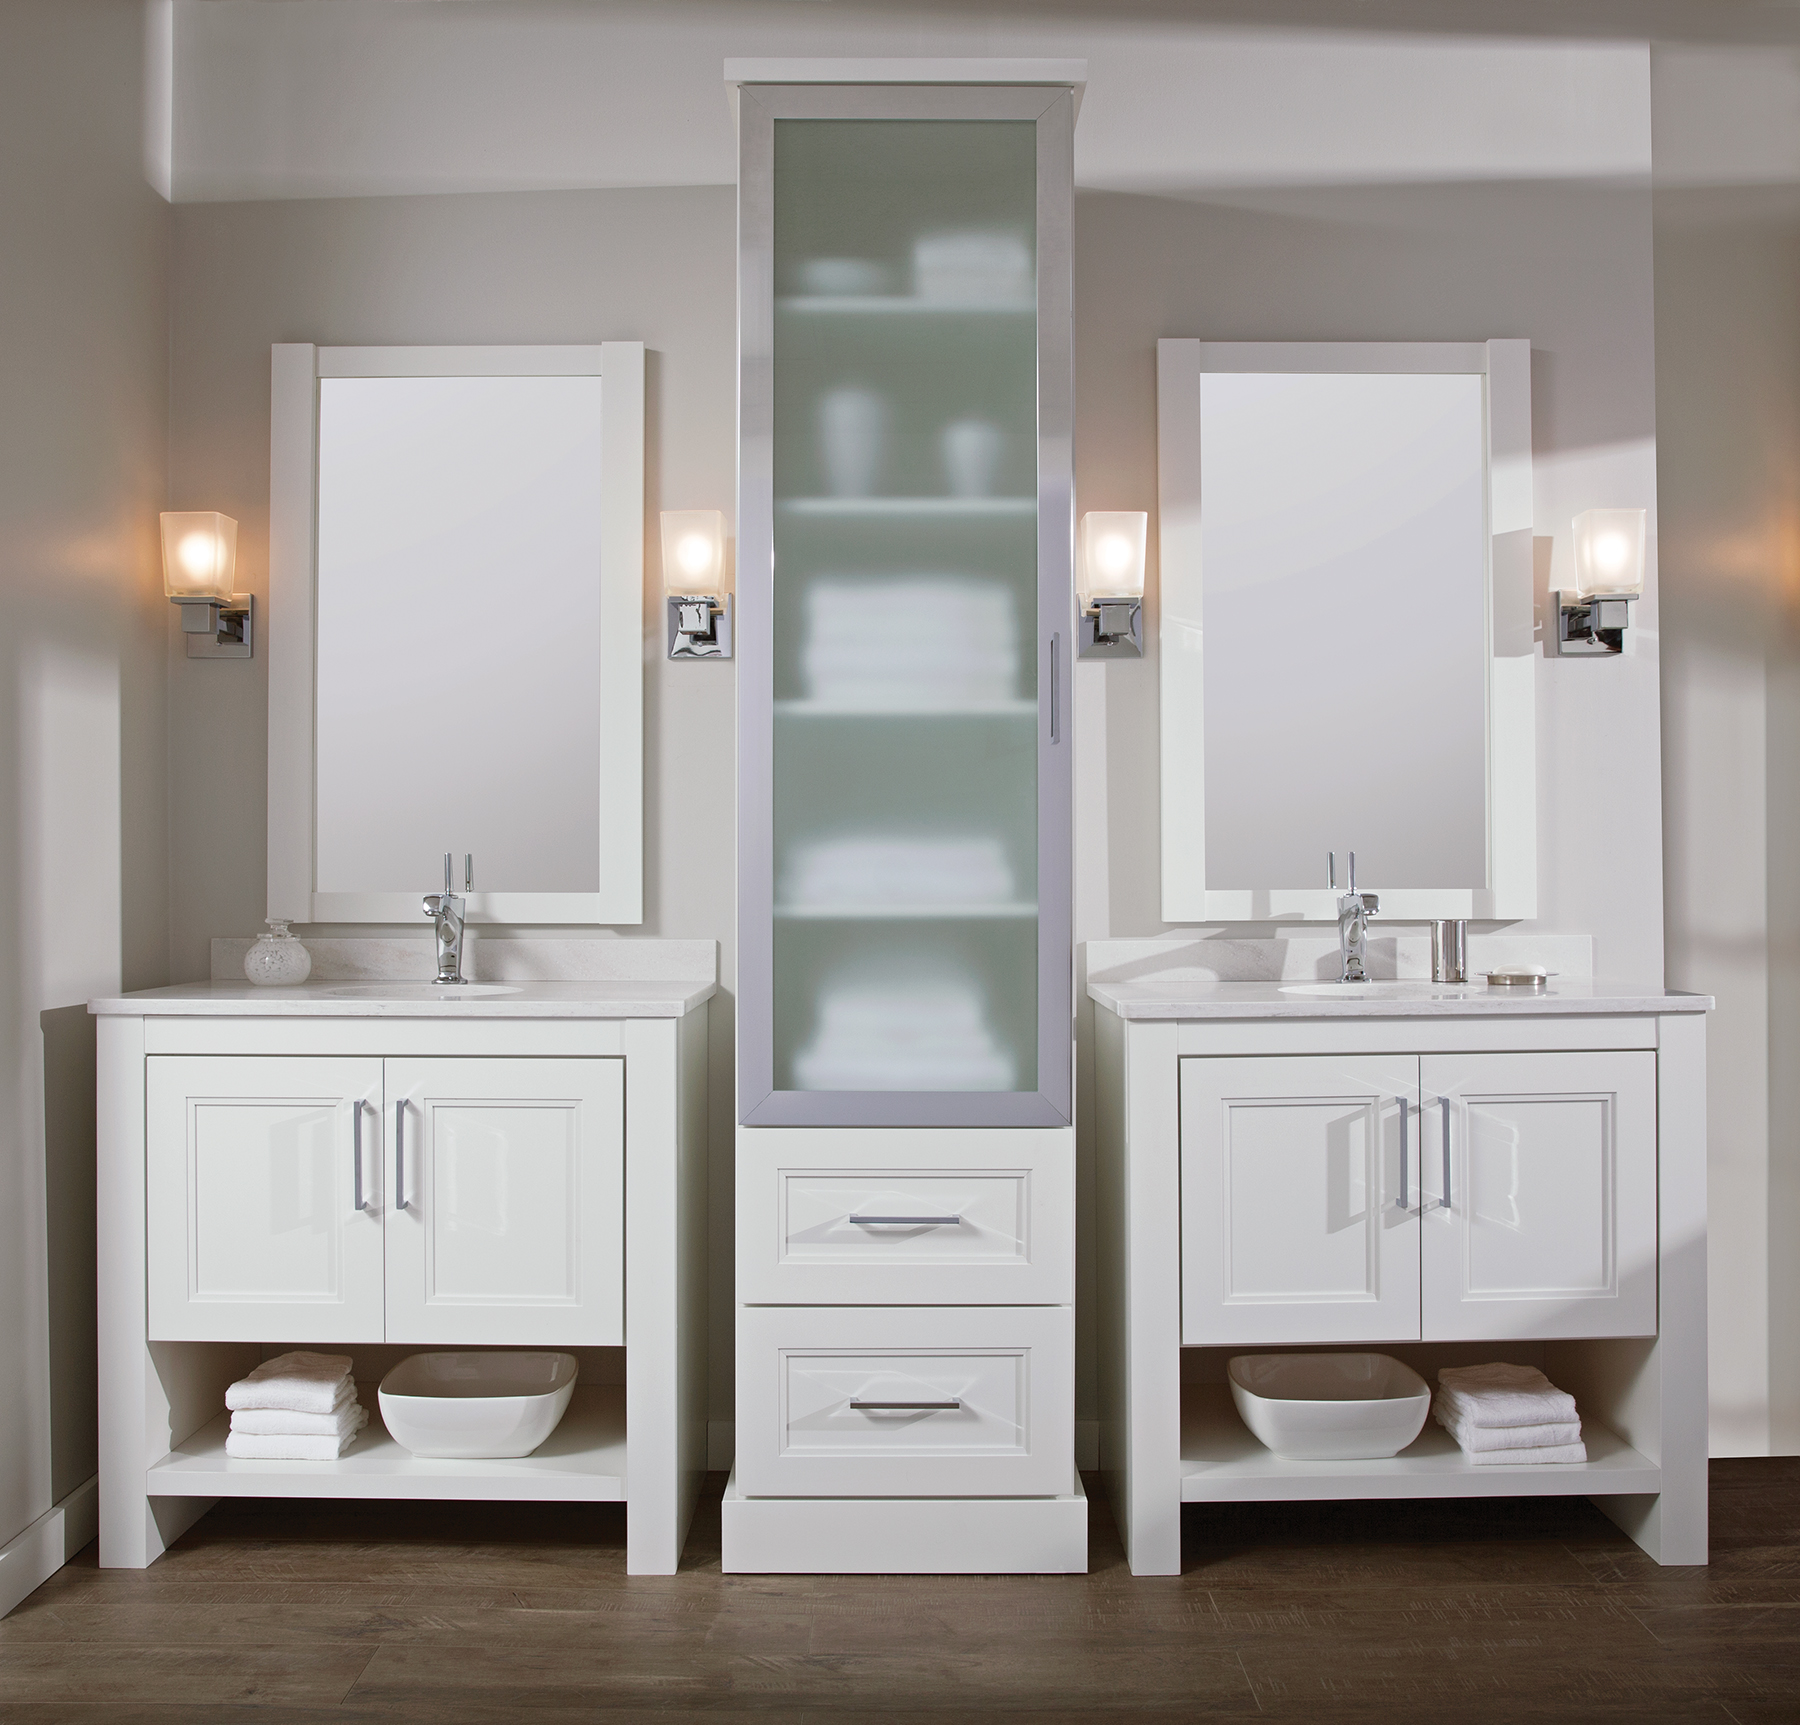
column 476, row 1407
column 1330, row 1407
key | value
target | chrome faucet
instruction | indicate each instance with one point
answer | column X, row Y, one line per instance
column 446, row 911
column 1354, row 910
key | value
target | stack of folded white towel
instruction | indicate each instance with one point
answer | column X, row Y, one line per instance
column 300, row 1407
column 1503, row 1415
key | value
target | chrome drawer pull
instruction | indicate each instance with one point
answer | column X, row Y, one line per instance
column 1444, row 1202
column 363, row 1202
column 1400, row 1203
column 905, row 1407
column 400, row 1155
column 905, row 1221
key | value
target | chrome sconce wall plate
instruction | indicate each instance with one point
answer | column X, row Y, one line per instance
column 693, row 547
column 1591, row 620
column 199, row 550
column 1110, row 577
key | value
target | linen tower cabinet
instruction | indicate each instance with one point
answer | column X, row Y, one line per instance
column 905, row 1152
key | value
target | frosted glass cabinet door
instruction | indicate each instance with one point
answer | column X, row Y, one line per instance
column 1550, row 1228
column 905, row 595
column 1299, row 1207
column 507, row 1219
column 252, row 1190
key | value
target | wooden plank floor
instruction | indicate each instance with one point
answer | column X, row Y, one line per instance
column 1516, row 1611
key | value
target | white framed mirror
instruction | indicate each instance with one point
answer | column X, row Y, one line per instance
column 456, row 631
column 1347, row 653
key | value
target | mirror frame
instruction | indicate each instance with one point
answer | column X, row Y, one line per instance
column 296, row 368
column 1511, row 890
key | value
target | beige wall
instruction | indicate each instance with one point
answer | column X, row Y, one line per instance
column 1728, row 411
column 655, row 266
column 83, row 828
column 1569, row 265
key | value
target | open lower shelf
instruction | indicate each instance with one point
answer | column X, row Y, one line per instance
column 1221, row 1462
column 583, row 1460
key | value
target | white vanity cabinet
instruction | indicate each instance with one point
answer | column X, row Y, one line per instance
column 1372, row 1198
column 1442, row 1172
column 453, row 1201
column 370, row 1171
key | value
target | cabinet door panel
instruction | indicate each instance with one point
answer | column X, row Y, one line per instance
column 1550, row 1228
column 253, row 1228
column 1298, row 1222
column 509, row 1224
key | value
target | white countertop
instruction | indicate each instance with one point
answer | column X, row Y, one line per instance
column 1564, row 996
column 328, row 999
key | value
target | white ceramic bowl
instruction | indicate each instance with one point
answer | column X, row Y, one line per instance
column 476, row 1407
column 1330, row 1407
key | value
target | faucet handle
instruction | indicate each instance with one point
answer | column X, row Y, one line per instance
column 1371, row 903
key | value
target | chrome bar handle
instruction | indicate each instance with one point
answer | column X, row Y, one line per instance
column 356, row 1165
column 1444, row 1202
column 1400, row 1202
column 905, row 1407
column 905, row 1221
column 1055, row 643
column 400, row 1154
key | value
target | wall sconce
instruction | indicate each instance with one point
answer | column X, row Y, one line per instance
column 1609, row 574
column 693, row 548
column 1111, row 582
column 199, row 551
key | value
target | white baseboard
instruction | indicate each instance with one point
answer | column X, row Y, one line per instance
column 721, row 1445
column 48, row 1543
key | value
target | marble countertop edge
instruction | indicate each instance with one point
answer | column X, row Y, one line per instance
column 330, row 999
column 1152, row 999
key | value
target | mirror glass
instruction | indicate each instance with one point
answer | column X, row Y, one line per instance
column 1343, row 559
column 458, row 609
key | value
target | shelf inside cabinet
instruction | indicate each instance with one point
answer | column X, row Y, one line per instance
column 904, row 912
column 900, row 306
column 907, row 508
column 1221, row 1462
column 583, row 1460
column 810, row 709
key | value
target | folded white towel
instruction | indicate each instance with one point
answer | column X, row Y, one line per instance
column 349, row 1416
column 249, row 1446
column 1566, row 1452
column 1477, row 1437
column 300, row 1383
column 1504, row 1395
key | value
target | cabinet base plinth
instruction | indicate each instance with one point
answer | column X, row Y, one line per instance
column 904, row 1535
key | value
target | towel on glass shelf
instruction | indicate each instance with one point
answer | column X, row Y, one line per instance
column 299, row 1383
column 349, row 1416
column 1500, row 1395
column 292, row 1446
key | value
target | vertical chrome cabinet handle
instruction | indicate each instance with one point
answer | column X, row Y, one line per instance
column 1400, row 1202
column 1055, row 732
column 1444, row 1202
column 400, row 1154
column 356, row 1155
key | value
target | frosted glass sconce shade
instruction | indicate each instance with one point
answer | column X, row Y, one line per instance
column 199, row 551
column 693, row 548
column 1609, row 551
column 693, row 544
column 1609, row 577
column 1112, row 553
column 1110, row 574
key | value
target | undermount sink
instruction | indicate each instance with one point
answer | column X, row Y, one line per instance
column 418, row 990
column 1405, row 990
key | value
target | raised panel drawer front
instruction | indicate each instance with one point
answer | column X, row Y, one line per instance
column 1299, row 1199
column 252, row 1195
column 905, row 1217
column 1550, row 1224
column 507, row 1224
column 904, row 1401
